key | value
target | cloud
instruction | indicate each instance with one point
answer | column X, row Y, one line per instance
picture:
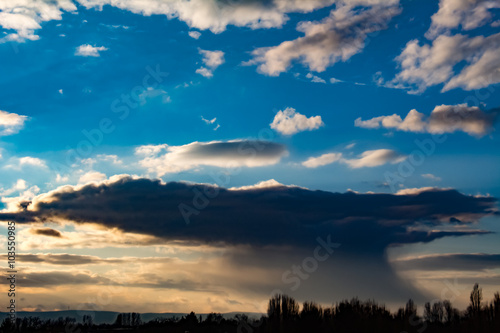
column 19, row 185
column 11, row 123
column 91, row 176
column 56, row 278
column 443, row 119
column 208, row 122
column 423, row 66
column 271, row 183
column 46, row 232
column 467, row 14
column 325, row 159
column 88, row 50
column 150, row 92
column 211, row 122
column 212, row 60
column 20, row 162
column 334, row 80
column 289, row 122
column 314, row 78
column 215, row 15
column 24, row 17
column 336, row 38
column 373, row 158
column 163, row 159
column 151, row 207
column 267, row 229
column 369, row 158
column 430, row 176
column 194, row 34
column 455, row 261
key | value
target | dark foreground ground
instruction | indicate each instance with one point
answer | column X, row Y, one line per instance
column 284, row 315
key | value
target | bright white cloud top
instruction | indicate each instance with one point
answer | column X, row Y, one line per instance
column 11, row 123
column 443, row 119
column 290, row 122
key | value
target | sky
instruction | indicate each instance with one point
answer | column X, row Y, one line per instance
column 203, row 155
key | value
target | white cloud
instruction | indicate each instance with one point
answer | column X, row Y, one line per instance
column 194, row 34
column 19, row 185
column 204, row 71
column 19, row 163
column 314, row 78
column 373, row 158
column 151, row 92
column 289, row 122
column 369, row 158
column 208, row 121
column 430, row 176
column 468, row 14
column 215, row 15
column 262, row 185
column 336, row 38
column 163, row 159
column 457, row 61
column 61, row 179
column 24, row 17
column 443, row 119
column 334, row 80
column 91, row 176
column 88, row 50
column 325, row 159
column 212, row 60
column 11, row 123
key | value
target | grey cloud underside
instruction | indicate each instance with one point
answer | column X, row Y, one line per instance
column 269, row 216
column 460, row 261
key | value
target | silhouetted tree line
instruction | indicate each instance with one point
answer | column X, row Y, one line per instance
column 284, row 315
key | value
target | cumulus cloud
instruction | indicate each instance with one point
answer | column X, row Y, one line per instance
column 212, row 60
column 194, row 34
column 423, row 66
column 20, row 162
column 443, row 119
column 289, row 122
column 336, row 38
column 23, row 17
column 163, row 159
column 11, row 123
column 369, row 158
column 467, row 14
column 88, row 50
column 215, row 15
column 91, row 176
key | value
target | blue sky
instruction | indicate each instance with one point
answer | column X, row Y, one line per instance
column 322, row 83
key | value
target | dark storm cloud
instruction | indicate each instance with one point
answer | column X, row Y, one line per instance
column 46, row 232
column 274, row 228
column 459, row 261
column 266, row 216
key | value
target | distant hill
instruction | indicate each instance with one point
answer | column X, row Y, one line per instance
column 109, row 317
